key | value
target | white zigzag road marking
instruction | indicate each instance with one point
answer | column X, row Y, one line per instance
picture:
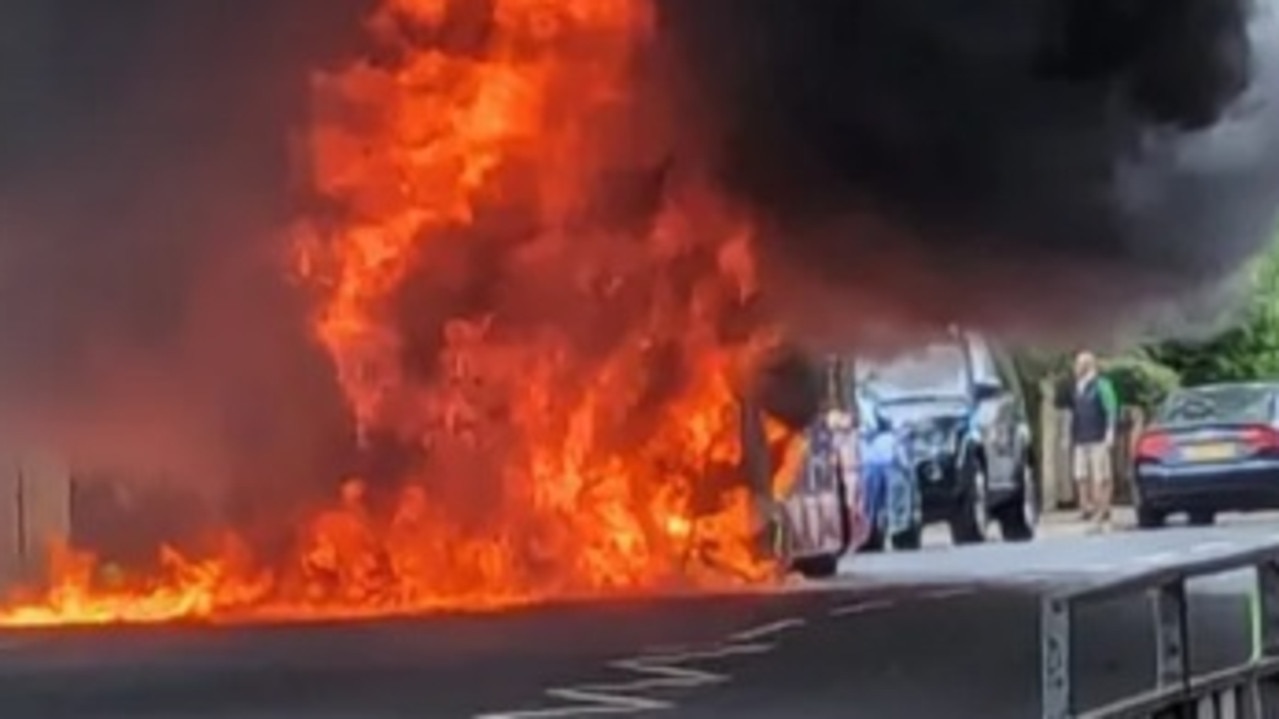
column 660, row 671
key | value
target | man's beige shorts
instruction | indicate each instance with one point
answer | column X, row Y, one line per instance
column 1092, row 462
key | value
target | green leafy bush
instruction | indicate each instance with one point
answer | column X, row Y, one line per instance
column 1140, row 381
column 1248, row 350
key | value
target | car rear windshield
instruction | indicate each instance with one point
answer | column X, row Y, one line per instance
column 1219, row 404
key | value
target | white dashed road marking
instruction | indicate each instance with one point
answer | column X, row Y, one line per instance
column 849, row 610
column 950, row 593
column 768, row 630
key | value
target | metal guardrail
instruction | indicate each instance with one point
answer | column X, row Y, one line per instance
column 1247, row 691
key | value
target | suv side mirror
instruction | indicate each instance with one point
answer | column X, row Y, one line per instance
column 985, row 391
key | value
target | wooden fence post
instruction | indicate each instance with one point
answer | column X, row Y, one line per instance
column 1132, row 421
column 1047, row 437
column 1054, row 452
column 1058, row 486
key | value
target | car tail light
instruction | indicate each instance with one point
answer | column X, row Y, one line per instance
column 1153, row 445
column 1261, row 437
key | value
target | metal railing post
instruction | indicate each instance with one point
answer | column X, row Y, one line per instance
column 1172, row 662
column 1265, row 698
column 1228, row 704
column 1248, row 690
column 1054, row 645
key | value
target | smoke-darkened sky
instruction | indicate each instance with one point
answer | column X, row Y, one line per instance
column 144, row 183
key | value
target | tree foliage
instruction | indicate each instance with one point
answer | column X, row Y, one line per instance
column 1139, row 380
column 1248, row 350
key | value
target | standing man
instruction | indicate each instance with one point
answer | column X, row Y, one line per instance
column 1092, row 433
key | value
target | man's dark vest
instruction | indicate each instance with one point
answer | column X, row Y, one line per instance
column 1088, row 423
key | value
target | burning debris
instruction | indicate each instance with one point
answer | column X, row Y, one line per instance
column 545, row 245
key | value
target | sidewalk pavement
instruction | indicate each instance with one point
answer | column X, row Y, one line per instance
column 1053, row 524
column 1068, row 523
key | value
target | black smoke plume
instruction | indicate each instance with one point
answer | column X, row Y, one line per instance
column 1037, row 167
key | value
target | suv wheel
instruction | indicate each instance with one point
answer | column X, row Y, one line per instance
column 822, row 566
column 909, row 539
column 968, row 525
column 1148, row 518
column 1202, row 518
column 1019, row 516
column 874, row 541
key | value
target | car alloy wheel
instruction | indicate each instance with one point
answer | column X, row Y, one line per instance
column 1029, row 496
column 980, row 507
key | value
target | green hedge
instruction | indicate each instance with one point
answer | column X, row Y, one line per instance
column 1139, row 381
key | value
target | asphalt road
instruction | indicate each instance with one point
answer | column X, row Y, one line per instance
column 941, row 633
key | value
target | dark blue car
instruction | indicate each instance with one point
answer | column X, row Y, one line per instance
column 1209, row 449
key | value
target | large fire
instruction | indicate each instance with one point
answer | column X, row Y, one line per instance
column 561, row 365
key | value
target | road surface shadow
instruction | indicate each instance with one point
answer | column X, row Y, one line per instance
column 910, row 653
column 967, row 657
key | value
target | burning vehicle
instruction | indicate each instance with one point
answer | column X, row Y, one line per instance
column 544, row 324
column 804, row 442
column 790, row 500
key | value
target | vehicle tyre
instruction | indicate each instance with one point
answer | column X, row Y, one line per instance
column 909, row 540
column 1148, row 518
column 1019, row 516
column 874, row 542
column 968, row 524
column 823, row 566
column 1202, row 519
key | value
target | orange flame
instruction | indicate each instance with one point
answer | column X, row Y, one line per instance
column 574, row 416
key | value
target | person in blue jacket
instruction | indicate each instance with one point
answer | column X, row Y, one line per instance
column 890, row 498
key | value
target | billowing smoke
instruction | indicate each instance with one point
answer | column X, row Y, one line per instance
column 144, row 174
column 1039, row 167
